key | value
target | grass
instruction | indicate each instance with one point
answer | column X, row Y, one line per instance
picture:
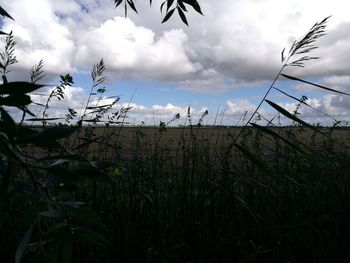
column 267, row 203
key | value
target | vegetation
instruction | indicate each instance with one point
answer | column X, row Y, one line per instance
column 168, row 5
column 80, row 193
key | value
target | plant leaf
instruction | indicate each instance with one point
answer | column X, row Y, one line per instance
column 292, row 117
column 182, row 6
column 86, row 236
column 169, row 4
column 194, row 4
column 19, row 87
column 7, row 124
column 132, row 5
column 258, row 163
column 44, row 119
column 117, row 2
column 314, row 84
column 4, row 13
column 161, row 6
column 84, row 215
column 168, row 15
column 20, row 251
column 17, row 100
column 277, row 136
column 52, row 214
column 182, row 16
column 48, row 137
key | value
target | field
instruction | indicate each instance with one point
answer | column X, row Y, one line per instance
column 178, row 196
column 190, row 195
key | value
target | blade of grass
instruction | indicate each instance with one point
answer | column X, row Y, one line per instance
column 292, row 117
column 314, row 84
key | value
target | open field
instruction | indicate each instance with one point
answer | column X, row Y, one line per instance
column 189, row 194
column 213, row 138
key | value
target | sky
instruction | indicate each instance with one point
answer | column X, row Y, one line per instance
column 224, row 62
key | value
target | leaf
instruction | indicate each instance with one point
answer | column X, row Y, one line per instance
column 52, row 133
column 83, row 215
column 6, row 150
column 169, row 4
column 15, row 100
column 277, row 136
column 7, row 123
column 117, row 3
column 182, row 16
column 314, row 84
column 20, row 251
column 44, row 119
column 161, row 6
column 292, row 117
column 26, row 110
column 98, row 107
column 19, row 87
column 182, row 6
column 67, row 204
column 4, row 13
column 258, row 163
column 64, row 175
column 168, row 15
column 194, row 4
column 86, row 236
column 290, row 96
column 48, row 137
column 52, row 214
column 132, row 5
column 282, row 55
column 74, row 157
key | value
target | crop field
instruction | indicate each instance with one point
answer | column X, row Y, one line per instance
column 190, row 195
column 213, row 138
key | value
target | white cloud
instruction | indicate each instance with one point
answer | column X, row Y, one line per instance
column 39, row 35
column 132, row 50
column 239, row 40
column 236, row 44
column 239, row 107
column 156, row 113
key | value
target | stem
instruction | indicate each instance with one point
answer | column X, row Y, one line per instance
column 261, row 102
column 255, row 111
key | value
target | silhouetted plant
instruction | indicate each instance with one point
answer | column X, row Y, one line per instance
column 37, row 192
column 169, row 5
column 8, row 57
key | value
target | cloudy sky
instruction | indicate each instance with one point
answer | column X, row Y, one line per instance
column 224, row 61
